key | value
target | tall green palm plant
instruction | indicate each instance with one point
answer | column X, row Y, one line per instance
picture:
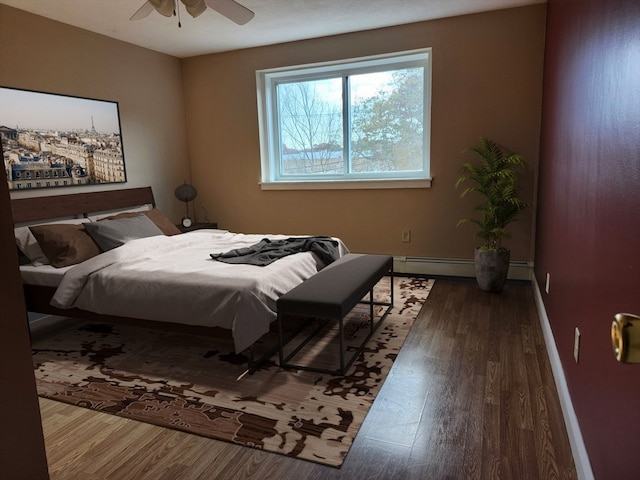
column 494, row 178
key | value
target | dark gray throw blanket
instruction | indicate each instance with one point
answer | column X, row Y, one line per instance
column 268, row 251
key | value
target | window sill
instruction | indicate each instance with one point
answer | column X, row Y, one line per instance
column 347, row 185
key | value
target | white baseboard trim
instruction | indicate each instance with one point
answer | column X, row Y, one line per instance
column 454, row 267
column 578, row 449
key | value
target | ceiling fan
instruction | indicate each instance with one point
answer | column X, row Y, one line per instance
column 229, row 8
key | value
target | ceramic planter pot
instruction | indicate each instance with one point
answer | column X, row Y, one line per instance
column 492, row 268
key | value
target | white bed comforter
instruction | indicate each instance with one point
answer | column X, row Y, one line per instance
column 174, row 279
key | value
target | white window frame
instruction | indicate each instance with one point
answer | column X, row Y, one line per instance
column 267, row 81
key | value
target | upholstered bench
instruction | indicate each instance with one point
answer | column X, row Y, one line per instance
column 331, row 294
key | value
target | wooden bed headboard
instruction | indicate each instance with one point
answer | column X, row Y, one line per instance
column 41, row 208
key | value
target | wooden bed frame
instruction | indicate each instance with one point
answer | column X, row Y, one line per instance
column 38, row 298
column 44, row 208
column 36, row 209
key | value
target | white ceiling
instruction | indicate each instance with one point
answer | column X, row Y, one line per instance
column 275, row 21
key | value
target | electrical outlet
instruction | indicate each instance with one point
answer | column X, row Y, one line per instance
column 406, row 236
column 546, row 285
column 576, row 345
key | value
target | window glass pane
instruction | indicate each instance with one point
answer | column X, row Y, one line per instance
column 311, row 128
column 387, row 116
column 350, row 121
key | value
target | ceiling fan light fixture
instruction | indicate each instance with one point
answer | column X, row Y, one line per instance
column 195, row 7
column 229, row 8
column 164, row 7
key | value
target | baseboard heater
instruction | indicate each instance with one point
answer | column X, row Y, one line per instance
column 454, row 267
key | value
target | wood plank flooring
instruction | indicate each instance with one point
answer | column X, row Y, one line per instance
column 471, row 395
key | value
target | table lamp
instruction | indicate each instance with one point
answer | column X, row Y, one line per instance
column 186, row 193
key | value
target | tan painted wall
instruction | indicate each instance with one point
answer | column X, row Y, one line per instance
column 41, row 54
column 487, row 80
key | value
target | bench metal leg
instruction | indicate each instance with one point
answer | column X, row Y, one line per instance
column 344, row 367
column 341, row 327
column 371, row 311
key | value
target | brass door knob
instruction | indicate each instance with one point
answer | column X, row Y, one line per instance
column 625, row 338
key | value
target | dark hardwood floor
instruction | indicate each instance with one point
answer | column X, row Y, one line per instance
column 471, row 395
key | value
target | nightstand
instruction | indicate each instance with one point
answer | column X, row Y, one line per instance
column 196, row 226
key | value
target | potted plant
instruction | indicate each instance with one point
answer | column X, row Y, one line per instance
column 494, row 178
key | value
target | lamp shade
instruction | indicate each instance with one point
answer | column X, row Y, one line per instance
column 186, row 192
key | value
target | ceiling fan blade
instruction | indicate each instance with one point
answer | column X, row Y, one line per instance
column 232, row 10
column 143, row 11
column 164, row 7
column 195, row 7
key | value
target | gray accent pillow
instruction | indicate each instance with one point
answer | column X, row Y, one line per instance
column 109, row 234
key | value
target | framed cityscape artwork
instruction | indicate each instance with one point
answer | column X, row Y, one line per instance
column 52, row 140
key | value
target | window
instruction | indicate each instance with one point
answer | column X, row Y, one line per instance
column 355, row 123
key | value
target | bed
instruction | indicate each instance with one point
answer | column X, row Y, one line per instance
column 166, row 280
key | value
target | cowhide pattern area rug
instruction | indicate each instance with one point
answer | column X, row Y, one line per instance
column 190, row 382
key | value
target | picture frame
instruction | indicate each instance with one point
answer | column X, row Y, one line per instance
column 54, row 140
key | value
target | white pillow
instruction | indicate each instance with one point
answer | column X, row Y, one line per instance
column 142, row 208
column 28, row 244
